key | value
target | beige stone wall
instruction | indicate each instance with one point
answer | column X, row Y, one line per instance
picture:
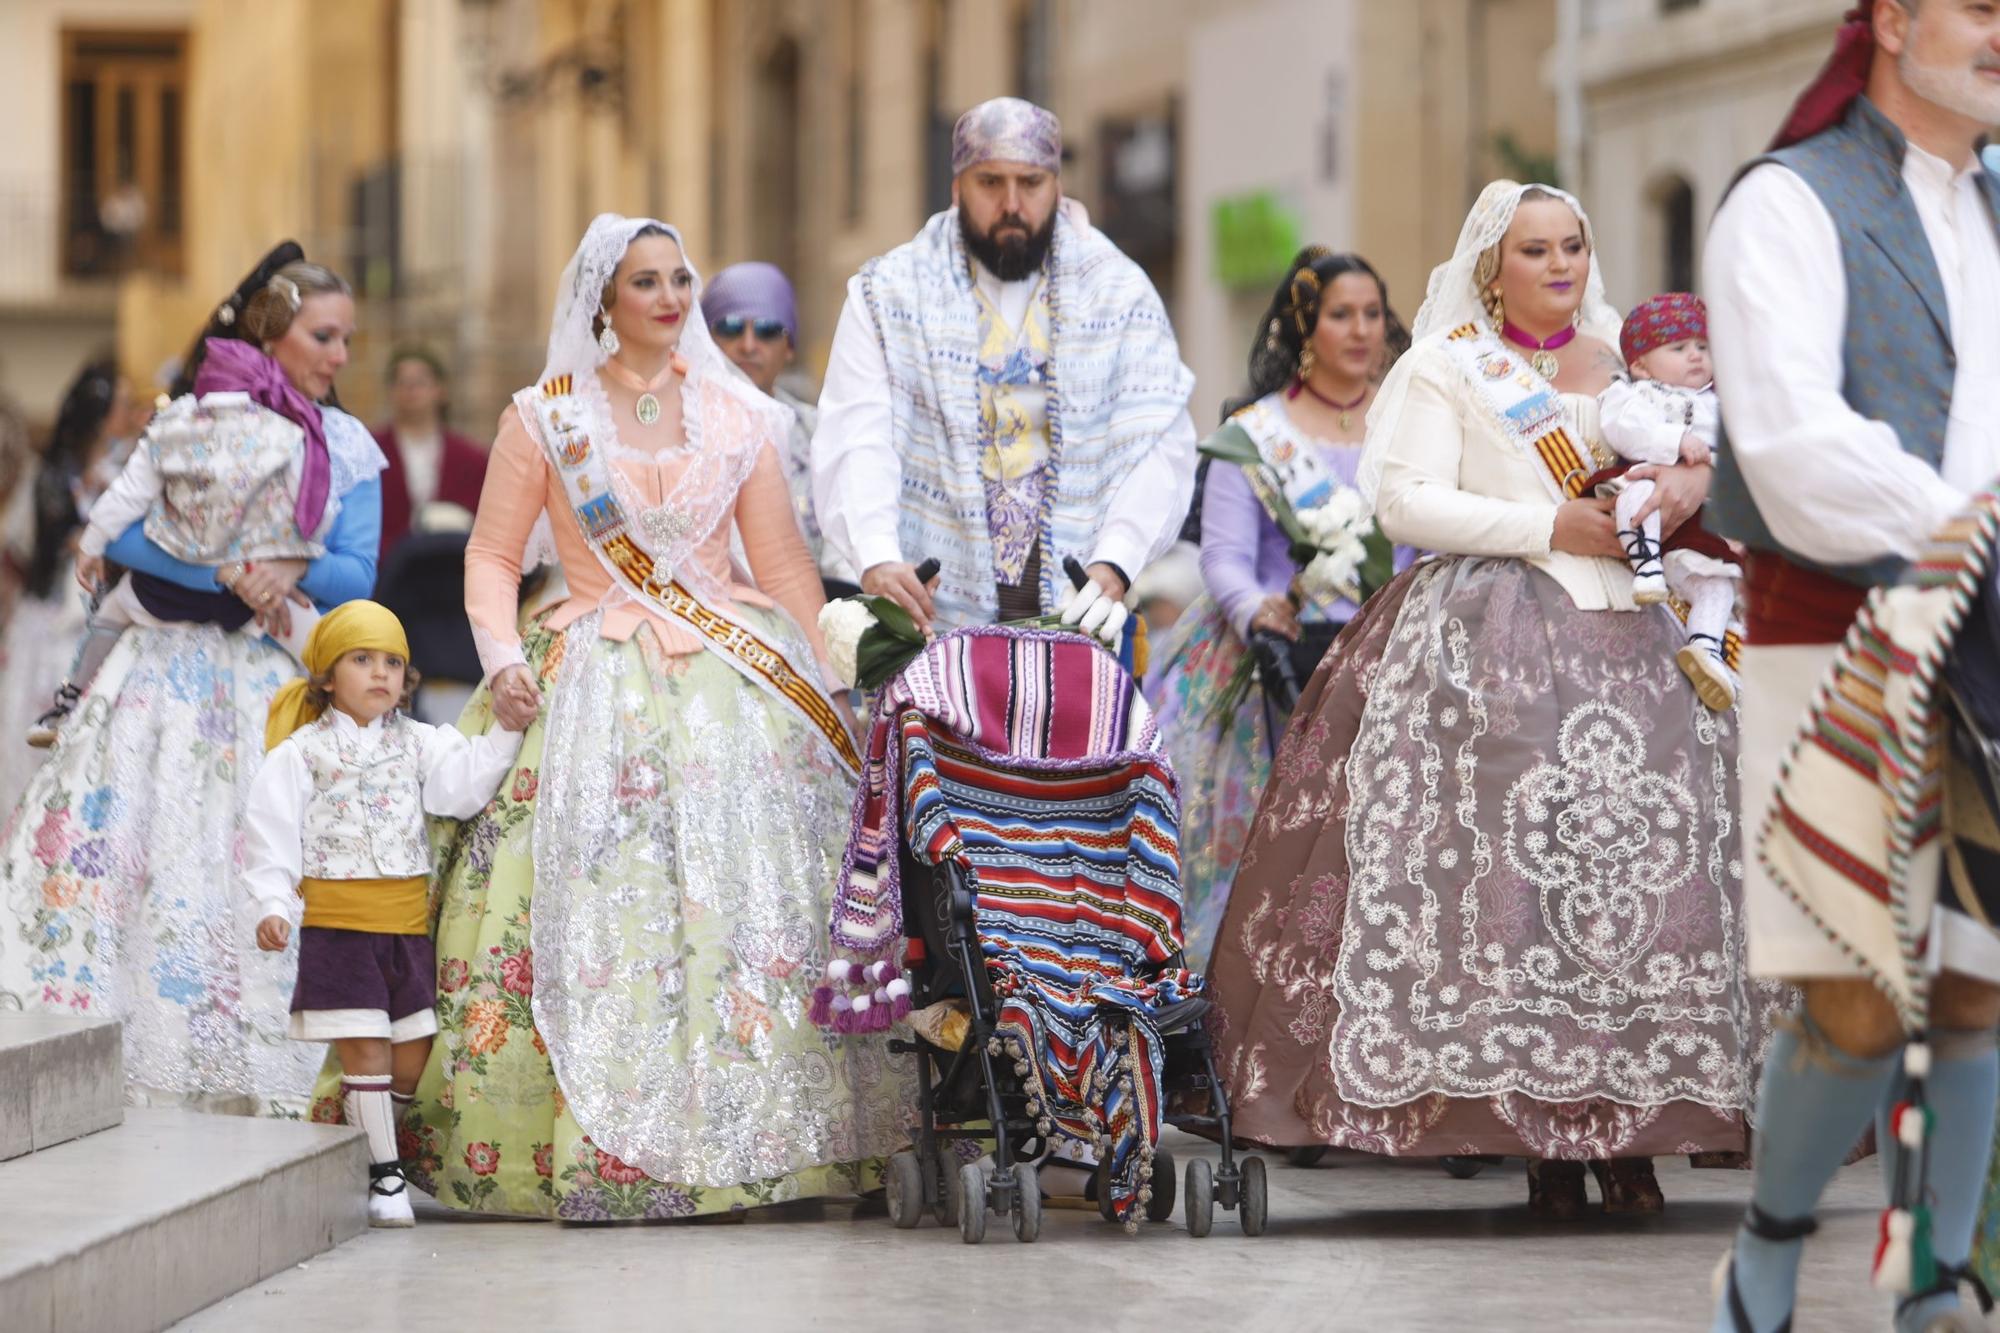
column 1689, row 96
column 495, row 192
column 288, row 100
column 50, row 324
column 1441, row 82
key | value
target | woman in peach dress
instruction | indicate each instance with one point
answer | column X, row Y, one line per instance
column 628, row 936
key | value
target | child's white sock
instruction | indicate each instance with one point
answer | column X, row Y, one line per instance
column 1640, row 539
column 368, row 1104
column 1711, row 604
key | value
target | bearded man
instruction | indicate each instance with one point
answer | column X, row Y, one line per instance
column 1004, row 394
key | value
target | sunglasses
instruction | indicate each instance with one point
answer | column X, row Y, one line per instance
column 730, row 327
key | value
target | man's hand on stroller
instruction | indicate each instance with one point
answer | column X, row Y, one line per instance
column 1097, row 607
column 897, row 580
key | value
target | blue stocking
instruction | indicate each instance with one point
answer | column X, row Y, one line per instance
column 1812, row 1109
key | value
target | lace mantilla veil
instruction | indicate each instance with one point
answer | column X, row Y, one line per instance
column 1451, row 300
column 726, row 419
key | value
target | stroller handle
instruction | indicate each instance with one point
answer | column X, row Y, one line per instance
column 1273, row 654
column 928, row 570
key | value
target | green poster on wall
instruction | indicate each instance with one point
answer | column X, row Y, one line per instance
column 1254, row 237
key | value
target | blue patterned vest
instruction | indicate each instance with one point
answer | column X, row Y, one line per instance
column 1898, row 362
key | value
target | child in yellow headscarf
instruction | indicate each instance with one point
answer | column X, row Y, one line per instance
column 336, row 819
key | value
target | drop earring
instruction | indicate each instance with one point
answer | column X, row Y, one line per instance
column 608, row 340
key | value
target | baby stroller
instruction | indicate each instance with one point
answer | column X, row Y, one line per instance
column 1018, row 830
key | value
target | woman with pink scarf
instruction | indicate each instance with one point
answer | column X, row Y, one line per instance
column 118, row 870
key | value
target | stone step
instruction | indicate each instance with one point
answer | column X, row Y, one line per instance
column 60, row 1078
column 144, row 1224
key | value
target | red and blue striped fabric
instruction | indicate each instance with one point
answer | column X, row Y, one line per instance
column 1030, row 758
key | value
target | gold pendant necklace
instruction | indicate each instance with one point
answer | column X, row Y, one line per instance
column 1346, row 410
column 1545, row 364
column 647, row 409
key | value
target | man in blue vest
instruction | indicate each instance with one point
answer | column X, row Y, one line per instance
column 1853, row 279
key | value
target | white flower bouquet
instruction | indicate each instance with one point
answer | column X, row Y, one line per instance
column 1349, row 557
column 868, row 639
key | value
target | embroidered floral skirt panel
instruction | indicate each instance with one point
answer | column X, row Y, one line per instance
column 1491, row 900
column 627, row 941
column 1222, row 763
column 119, row 875
column 36, row 646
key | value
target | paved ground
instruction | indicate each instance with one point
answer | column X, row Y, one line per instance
column 1353, row 1244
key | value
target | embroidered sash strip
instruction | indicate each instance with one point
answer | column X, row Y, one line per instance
column 560, row 418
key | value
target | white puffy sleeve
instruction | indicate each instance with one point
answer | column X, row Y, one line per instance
column 273, row 832
column 1418, row 500
column 461, row 773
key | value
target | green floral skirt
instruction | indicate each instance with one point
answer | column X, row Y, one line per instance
column 627, row 941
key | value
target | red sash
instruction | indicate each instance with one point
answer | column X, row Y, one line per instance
column 1786, row 603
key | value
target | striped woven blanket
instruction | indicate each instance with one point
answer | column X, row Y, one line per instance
column 1853, row 832
column 1031, row 760
column 1033, row 694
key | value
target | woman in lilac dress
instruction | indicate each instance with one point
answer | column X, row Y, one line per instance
column 1326, row 341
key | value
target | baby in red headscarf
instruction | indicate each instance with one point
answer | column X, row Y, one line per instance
column 1667, row 413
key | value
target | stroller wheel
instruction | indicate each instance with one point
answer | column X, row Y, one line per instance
column 1164, row 1183
column 905, row 1190
column 1462, row 1168
column 1199, row 1206
column 1256, row 1205
column 1027, row 1214
column 972, row 1203
column 1307, row 1157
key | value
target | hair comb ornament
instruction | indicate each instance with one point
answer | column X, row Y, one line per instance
column 286, row 288
column 1305, row 299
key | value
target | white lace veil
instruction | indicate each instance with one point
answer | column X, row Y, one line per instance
column 725, row 417
column 1452, row 300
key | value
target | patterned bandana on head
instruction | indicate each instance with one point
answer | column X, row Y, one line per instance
column 1007, row 129
column 351, row 625
column 1661, row 320
column 754, row 291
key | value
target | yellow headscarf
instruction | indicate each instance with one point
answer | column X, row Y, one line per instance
column 351, row 625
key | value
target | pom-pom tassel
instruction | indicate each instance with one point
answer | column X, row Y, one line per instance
column 1905, row 1259
column 820, row 1015
column 1905, row 1262
column 1913, row 1125
column 1892, row 1251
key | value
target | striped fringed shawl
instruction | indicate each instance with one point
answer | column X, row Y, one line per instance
column 1032, row 694
column 1116, row 385
column 1852, row 833
column 1031, row 760
column 1077, row 876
